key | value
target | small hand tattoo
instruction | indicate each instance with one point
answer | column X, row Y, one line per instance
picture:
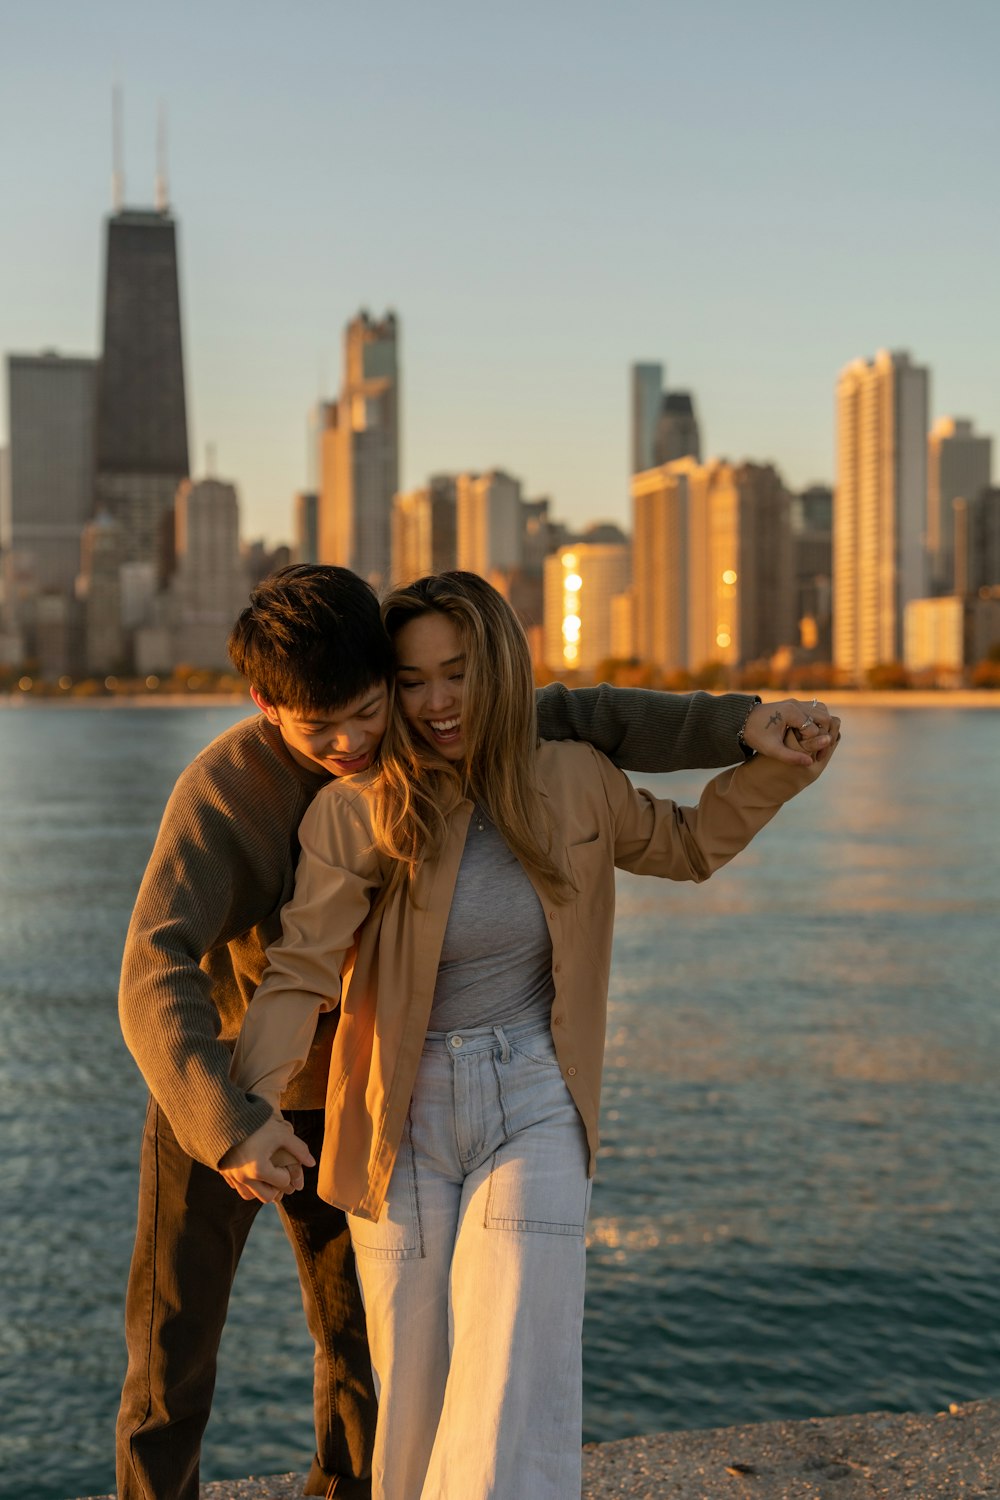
column 774, row 719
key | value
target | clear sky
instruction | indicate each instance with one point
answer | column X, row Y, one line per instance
column 753, row 192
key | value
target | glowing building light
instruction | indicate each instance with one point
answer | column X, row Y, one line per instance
column 729, row 576
column 570, row 560
column 573, row 583
column 571, row 628
column 570, row 652
column 723, row 638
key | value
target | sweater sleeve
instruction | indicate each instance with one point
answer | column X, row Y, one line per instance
column 654, row 836
column 336, row 881
column 640, row 730
column 205, row 866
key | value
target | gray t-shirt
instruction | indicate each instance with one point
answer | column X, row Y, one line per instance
column 496, row 959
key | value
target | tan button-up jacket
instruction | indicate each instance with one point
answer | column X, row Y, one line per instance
column 389, row 959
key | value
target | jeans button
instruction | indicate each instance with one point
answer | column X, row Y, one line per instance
column 456, row 1041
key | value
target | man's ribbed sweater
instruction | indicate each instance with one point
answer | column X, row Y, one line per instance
column 223, row 865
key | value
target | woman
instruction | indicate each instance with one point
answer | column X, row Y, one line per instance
column 466, row 889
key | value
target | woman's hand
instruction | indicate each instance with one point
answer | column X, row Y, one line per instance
column 815, row 730
column 268, row 1163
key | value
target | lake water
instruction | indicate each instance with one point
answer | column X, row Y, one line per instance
column 796, row 1212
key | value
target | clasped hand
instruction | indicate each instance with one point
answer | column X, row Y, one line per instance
column 815, row 730
column 268, row 1163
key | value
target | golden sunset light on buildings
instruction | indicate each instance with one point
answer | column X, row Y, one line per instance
column 582, row 581
column 712, row 548
column 489, row 522
column 423, row 530
column 879, row 562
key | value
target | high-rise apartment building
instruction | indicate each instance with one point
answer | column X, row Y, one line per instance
column 209, row 585
column 977, row 542
column 99, row 588
column 51, row 403
column 712, row 564
column 582, row 582
column 423, row 530
column 660, row 564
column 959, row 465
column 879, row 508
column 489, row 522
column 741, row 586
column 142, row 439
column 812, row 565
column 359, row 452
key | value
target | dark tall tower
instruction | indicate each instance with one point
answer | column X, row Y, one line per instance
column 142, row 445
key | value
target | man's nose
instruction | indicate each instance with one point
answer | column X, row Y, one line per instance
column 347, row 742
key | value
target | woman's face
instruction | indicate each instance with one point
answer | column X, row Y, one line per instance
column 430, row 682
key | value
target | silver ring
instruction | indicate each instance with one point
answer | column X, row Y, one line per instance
column 813, row 704
column 806, row 721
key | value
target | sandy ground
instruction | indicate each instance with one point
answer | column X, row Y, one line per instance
column 952, row 1455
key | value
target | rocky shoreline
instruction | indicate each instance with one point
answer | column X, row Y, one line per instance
column 949, row 1455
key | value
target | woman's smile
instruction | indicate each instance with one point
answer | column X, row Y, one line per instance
column 430, row 682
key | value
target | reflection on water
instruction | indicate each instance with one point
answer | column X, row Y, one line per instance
column 796, row 1209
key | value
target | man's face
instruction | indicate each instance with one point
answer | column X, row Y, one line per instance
column 339, row 741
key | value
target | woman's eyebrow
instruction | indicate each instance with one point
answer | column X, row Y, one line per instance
column 452, row 661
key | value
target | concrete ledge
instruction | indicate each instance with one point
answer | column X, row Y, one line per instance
column 952, row 1455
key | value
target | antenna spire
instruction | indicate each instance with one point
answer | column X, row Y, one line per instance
column 162, row 195
column 117, row 151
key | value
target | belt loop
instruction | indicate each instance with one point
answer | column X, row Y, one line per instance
column 498, row 1032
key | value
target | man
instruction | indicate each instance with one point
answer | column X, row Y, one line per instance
column 312, row 648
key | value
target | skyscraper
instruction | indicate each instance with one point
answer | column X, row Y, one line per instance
column 646, row 401
column 209, row 586
column 306, row 526
column 879, row 508
column 958, row 468
column 712, row 564
column 50, row 490
column 490, row 522
column 142, row 441
column 359, row 452
column 423, row 530
column 582, row 582
column 660, row 563
column 664, row 424
column 677, row 433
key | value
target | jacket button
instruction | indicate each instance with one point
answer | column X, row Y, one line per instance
column 556, row 968
column 557, row 1020
column 552, row 916
column 571, row 1072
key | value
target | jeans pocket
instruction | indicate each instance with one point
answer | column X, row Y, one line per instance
column 396, row 1234
column 538, row 1048
column 538, row 1178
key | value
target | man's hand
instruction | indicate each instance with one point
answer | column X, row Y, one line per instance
column 250, row 1170
column 813, row 724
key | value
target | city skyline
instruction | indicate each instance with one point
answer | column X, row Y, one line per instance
column 544, row 200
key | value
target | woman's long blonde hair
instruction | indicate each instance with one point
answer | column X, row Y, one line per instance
column 415, row 789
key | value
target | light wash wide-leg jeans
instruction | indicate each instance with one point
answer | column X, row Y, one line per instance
column 473, row 1277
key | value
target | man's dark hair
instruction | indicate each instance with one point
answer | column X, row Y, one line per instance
column 311, row 638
